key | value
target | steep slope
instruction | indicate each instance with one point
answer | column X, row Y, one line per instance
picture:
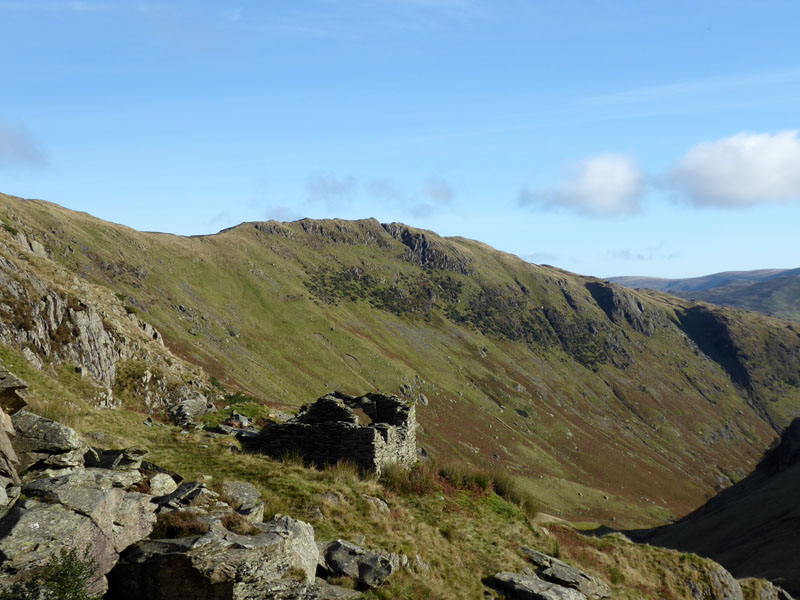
column 586, row 392
column 773, row 292
column 753, row 527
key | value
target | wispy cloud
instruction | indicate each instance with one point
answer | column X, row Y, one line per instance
column 742, row 170
column 540, row 257
column 282, row 213
column 695, row 88
column 658, row 251
column 334, row 192
column 606, row 185
column 19, row 146
column 233, row 14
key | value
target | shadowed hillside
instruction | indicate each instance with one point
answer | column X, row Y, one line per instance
column 753, row 527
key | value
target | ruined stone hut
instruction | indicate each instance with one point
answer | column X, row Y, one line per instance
column 373, row 431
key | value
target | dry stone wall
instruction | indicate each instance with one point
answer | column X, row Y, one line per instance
column 372, row 431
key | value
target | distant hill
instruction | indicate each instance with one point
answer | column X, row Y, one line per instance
column 753, row 527
column 773, row 292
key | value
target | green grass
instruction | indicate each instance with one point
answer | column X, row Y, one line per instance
column 286, row 313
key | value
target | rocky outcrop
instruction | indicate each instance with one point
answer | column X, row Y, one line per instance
column 78, row 510
column 219, row 565
column 621, row 305
column 89, row 329
column 529, row 587
column 369, row 569
column 43, row 444
column 555, row 571
column 425, row 251
column 717, row 584
column 329, row 431
column 9, row 479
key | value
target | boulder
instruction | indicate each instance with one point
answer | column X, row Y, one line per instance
column 716, row 584
column 190, row 494
column 44, row 444
column 162, row 484
column 279, row 561
column 72, row 511
column 129, row 459
column 369, row 569
column 555, row 571
column 244, row 498
column 529, row 587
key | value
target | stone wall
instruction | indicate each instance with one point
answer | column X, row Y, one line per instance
column 372, row 431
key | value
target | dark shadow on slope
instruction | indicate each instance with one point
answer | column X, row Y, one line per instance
column 753, row 527
column 710, row 332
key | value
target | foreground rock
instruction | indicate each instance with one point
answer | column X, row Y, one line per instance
column 368, row 569
column 45, row 444
column 555, row 571
column 78, row 510
column 220, row 565
column 530, row 587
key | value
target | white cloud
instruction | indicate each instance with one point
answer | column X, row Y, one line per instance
column 18, row 145
column 741, row 170
column 605, row 185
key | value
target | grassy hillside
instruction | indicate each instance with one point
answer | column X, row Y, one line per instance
column 457, row 526
column 586, row 393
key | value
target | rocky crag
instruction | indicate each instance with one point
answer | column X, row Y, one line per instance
column 56, row 319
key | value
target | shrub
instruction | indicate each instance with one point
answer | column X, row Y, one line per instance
column 178, row 524
column 615, row 575
column 65, row 577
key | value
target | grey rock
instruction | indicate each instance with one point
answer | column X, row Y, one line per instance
column 72, row 511
column 555, row 571
column 221, row 565
column 244, row 498
column 190, row 494
column 530, row 587
column 127, row 459
column 41, row 443
column 8, row 456
column 376, row 503
column 718, row 584
column 766, row 590
column 369, row 569
column 162, row 484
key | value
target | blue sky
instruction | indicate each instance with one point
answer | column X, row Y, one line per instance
column 607, row 138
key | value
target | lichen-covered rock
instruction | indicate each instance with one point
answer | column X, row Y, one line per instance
column 529, row 587
column 41, row 443
column 368, row 568
column 220, row 565
column 555, row 571
column 129, row 459
column 244, row 498
column 717, row 584
column 78, row 510
column 190, row 494
column 162, row 484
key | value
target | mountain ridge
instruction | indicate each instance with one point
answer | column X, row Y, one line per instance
column 523, row 367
